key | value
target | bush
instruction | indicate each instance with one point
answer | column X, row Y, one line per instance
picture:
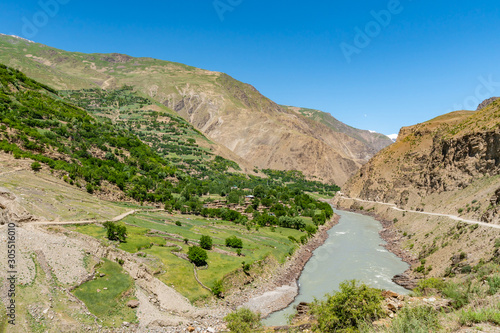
column 115, row 232
column 234, row 242
column 460, row 294
column 35, row 166
column 472, row 316
column 197, row 256
column 218, row 288
column 432, row 283
column 177, row 223
column 242, row 321
column 206, row 242
column 494, row 284
column 246, row 267
column 346, row 308
column 420, row 319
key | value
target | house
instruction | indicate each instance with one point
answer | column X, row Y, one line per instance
column 249, row 197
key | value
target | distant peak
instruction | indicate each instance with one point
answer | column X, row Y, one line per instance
column 17, row 37
column 393, row 137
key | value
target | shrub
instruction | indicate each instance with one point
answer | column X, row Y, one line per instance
column 472, row 316
column 243, row 321
column 459, row 294
column 246, row 267
column 433, row 283
column 420, row 319
column 346, row 308
column 218, row 288
column 234, row 242
column 494, row 284
column 177, row 223
column 206, row 242
column 35, row 166
column 197, row 256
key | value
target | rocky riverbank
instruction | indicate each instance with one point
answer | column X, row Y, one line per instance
column 279, row 289
column 392, row 238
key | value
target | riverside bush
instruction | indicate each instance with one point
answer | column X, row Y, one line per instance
column 242, row 321
column 345, row 309
column 420, row 319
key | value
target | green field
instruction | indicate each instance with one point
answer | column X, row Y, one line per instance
column 177, row 272
column 109, row 304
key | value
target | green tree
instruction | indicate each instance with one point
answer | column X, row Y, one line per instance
column 243, row 321
column 197, row 256
column 115, row 232
column 234, row 242
column 233, row 197
column 345, row 309
column 206, row 242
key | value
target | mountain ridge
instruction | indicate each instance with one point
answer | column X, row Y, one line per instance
column 229, row 112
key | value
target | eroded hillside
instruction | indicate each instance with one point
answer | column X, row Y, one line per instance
column 229, row 112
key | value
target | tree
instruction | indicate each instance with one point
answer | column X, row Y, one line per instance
column 206, row 242
column 116, row 232
column 234, row 242
column 345, row 309
column 197, row 256
column 233, row 197
column 243, row 321
column 35, row 166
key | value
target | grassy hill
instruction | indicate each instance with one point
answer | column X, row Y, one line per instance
column 228, row 112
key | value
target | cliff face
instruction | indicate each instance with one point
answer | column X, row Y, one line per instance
column 450, row 164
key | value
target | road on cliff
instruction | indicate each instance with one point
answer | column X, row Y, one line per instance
column 453, row 217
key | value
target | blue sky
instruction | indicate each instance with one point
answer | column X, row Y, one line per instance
column 407, row 61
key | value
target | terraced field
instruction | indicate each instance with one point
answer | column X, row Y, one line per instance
column 158, row 235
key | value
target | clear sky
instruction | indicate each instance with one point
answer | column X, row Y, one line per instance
column 373, row 64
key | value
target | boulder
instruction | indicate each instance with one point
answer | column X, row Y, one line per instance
column 133, row 303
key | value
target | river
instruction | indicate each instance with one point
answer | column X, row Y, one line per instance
column 353, row 250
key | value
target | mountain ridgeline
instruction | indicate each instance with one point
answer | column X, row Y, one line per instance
column 230, row 113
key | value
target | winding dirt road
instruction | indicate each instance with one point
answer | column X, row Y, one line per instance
column 453, row 217
column 114, row 219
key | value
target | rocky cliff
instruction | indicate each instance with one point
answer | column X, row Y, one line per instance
column 454, row 158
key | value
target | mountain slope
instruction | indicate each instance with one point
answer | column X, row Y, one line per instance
column 229, row 112
column 444, row 157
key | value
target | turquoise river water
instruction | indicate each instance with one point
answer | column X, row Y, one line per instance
column 353, row 250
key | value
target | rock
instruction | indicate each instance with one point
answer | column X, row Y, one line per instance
column 485, row 103
column 102, row 275
column 126, row 324
column 191, row 329
column 405, row 281
column 133, row 304
column 389, row 294
column 211, row 330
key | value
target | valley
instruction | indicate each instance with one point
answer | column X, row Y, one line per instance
column 149, row 195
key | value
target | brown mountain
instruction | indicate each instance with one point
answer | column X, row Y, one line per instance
column 229, row 112
column 441, row 165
